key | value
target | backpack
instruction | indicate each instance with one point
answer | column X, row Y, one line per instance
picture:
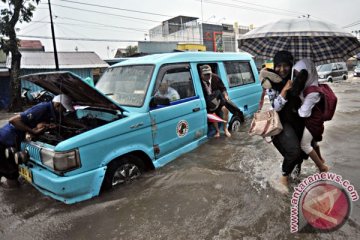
column 329, row 99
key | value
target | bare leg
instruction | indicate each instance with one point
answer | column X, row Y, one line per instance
column 317, row 150
column 226, row 119
column 284, row 181
column 216, row 125
column 307, row 148
column 322, row 167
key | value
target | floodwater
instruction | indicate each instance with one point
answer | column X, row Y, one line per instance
column 222, row 190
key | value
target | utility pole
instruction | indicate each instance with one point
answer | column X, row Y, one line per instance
column 202, row 24
column 53, row 38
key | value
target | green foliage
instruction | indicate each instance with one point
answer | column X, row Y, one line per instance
column 130, row 50
column 18, row 11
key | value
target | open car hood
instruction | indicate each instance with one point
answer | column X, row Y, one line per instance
column 72, row 85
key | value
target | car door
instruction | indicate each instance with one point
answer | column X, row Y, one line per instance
column 243, row 90
column 341, row 70
column 183, row 122
column 335, row 71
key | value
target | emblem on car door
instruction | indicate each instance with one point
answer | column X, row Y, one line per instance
column 182, row 128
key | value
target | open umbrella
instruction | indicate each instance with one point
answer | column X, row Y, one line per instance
column 319, row 41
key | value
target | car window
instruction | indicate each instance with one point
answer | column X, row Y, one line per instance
column 127, row 85
column 239, row 73
column 175, row 82
column 324, row 68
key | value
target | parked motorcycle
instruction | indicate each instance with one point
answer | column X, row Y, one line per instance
column 35, row 97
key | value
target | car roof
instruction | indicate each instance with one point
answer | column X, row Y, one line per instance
column 185, row 57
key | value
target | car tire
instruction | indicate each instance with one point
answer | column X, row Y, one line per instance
column 235, row 124
column 123, row 170
column 344, row 77
column 330, row 80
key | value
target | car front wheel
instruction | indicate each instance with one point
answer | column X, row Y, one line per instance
column 235, row 124
column 123, row 170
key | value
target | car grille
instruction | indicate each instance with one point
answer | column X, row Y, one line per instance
column 34, row 151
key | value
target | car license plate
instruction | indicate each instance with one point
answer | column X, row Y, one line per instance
column 25, row 173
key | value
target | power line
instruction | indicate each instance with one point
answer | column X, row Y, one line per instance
column 33, row 29
column 105, row 25
column 268, row 7
column 247, row 8
column 77, row 24
column 95, row 39
column 352, row 24
column 75, row 33
column 112, row 7
column 79, row 39
column 106, row 13
column 30, row 24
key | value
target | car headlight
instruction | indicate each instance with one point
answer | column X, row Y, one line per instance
column 321, row 76
column 60, row 161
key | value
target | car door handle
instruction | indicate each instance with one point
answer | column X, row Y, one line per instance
column 136, row 125
column 196, row 109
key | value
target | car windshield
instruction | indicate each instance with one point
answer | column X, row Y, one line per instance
column 127, row 85
column 324, row 68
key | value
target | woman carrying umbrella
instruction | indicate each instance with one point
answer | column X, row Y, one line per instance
column 286, row 104
column 319, row 41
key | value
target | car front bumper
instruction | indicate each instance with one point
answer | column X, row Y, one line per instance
column 68, row 189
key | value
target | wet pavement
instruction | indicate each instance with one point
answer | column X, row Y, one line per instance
column 222, row 190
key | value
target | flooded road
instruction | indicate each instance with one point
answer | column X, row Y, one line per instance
column 222, row 190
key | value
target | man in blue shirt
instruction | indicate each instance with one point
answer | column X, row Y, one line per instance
column 28, row 121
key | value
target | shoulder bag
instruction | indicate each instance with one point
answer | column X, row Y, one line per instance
column 265, row 124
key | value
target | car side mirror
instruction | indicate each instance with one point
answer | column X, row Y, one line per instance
column 157, row 100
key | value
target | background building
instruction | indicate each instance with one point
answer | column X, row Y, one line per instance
column 188, row 30
column 34, row 59
column 83, row 64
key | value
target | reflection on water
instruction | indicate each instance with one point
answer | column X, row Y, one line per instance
column 222, row 190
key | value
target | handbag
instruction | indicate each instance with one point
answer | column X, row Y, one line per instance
column 214, row 100
column 265, row 124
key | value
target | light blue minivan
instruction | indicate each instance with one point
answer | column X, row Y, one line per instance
column 129, row 130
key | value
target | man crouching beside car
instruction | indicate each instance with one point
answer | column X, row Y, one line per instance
column 33, row 121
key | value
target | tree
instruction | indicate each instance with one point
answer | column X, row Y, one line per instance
column 130, row 50
column 17, row 11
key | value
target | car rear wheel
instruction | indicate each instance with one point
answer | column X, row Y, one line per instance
column 122, row 171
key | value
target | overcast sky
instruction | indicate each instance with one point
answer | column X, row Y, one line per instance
column 131, row 19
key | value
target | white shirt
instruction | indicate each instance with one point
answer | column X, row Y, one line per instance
column 308, row 103
column 171, row 94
